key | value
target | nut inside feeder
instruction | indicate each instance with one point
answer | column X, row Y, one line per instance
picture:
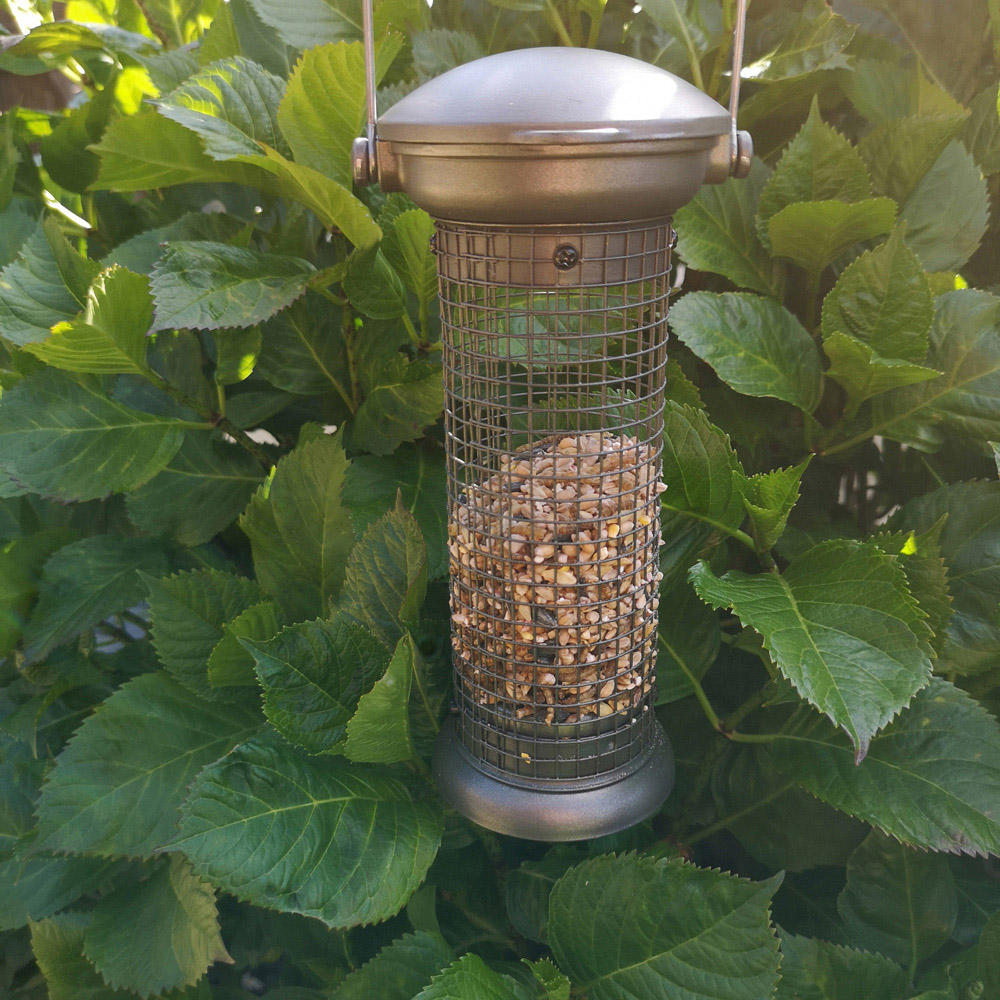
column 552, row 175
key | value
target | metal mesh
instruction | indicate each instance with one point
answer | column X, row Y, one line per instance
column 554, row 350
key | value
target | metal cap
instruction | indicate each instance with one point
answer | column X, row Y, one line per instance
column 554, row 95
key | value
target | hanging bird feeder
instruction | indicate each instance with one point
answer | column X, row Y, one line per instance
column 552, row 175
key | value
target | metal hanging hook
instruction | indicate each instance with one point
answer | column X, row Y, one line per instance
column 741, row 151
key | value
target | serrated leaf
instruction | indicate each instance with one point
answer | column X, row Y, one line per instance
column 83, row 583
column 373, row 286
column 313, row 675
column 299, row 529
column 897, row 900
column 981, row 134
column 116, row 788
column 188, row 612
column 160, row 934
column 230, row 664
column 754, row 344
column 438, row 50
column 470, row 978
column 841, row 625
column 964, row 346
column 232, row 105
column 864, row 373
column 769, row 498
column 814, row 234
column 199, row 492
column 816, row 40
column 304, row 23
column 407, row 246
column 947, row 213
column 716, row 232
column 302, row 349
column 552, row 981
column 527, row 889
column 208, row 286
column 978, row 891
column 818, row 970
column 379, row 730
column 638, row 927
column 372, row 485
column 399, row 971
column 386, row 578
column 350, row 847
column 688, row 640
column 931, row 777
column 819, row 164
column 110, row 337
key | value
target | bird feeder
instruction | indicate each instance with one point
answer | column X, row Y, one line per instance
column 552, row 175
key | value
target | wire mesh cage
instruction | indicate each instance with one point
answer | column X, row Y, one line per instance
column 554, row 354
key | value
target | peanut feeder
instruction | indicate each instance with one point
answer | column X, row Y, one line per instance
column 552, row 175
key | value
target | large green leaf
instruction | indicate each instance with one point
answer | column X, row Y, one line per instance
column 160, row 934
column 300, row 530
column 814, row 234
column 688, row 641
column 470, row 978
column 230, row 663
column 110, row 337
column 527, row 889
column 302, row 349
column 313, row 675
column 947, row 213
column 931, row 777
column 898, row 901
column 864, row 373
column 64, row 438
column 188, row 612
column 116, row 788
column 818, row 164
column 638, row 928
column 386, row 577
column 754, row 344
column 407, row 246
column 716, row 232
column 965, row 347
column 208, row 286
column 816, row 40
column 307, row 834
column 373, row 286
column 841, row 625
column 817, row 970
column 769, row 498
column 199, row 493
column 970, row 545
column 86, row 581
column 399, row 971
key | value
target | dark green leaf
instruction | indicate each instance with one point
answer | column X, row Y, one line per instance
column 527, row 889
column 230, row 664
column 864, row 373
column 688, row 641
column 978, row 888
column 555, row 984
column 399, row 971
column 981, row 134
column 470, row 978
column 407, row 246
column 439, row 50
column 817, row 970
column 769, row 499
column 816, row 40
column 373, row 286
column 989, row 955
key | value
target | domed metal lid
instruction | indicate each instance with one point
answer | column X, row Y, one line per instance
column 554, row 96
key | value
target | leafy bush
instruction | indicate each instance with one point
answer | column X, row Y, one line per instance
column 224, row 626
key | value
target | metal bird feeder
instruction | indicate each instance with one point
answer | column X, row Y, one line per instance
column 552, row 175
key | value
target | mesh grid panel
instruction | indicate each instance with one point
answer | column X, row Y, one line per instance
column 554, row 352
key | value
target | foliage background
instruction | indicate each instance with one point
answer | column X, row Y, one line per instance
column 225, row 640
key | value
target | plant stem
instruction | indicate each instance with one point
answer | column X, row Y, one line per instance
column 749, row 706
column 557, row 23
column 347, row 326
column 412, row 330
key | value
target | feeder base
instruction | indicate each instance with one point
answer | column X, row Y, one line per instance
column 572, row 810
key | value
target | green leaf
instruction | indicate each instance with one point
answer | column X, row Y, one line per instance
column 160, row 934
column 230, row 664
column 439, row 50
column 399, row 971
column 963, row 346
column 313, row 675
column 816, row 40
column 36, row 291
column 817, row 970
column 386, row 578
column 188, row 612
column 407, row 398
column 769, row 498
column 716, row 232
column 299, row 529
column 840, row 624
column 349, row 848
column 236, row 353
column 110, row 337
column 208, row 286
column 527, row 889
column 373, row 286
column 302, row 349
column 379, row 730
column 304, row 23
column 970, row 546
column 232, row 105
column 981, row 134
column 638, row 927
column 899, row 152
column 864, row 373
column 199, row 493
column 931, row 777
column 83, row 583
column 814, row 234
column 898, row 900
column 64, row 438
column 754, row 344
column 407, row 246
column 470, row 978
column 947, row 213
column 989, row 950
column 323, row 110
column 116, row 788
column 417, row 475
column 819, row 164
column 552, row 981
column 688, row 641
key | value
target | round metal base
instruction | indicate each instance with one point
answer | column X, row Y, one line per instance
column 571, row 810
